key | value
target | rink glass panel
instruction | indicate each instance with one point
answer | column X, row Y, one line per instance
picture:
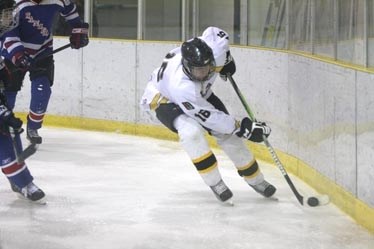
column 341, row 30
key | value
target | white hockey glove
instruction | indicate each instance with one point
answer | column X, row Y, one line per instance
column 253, row 131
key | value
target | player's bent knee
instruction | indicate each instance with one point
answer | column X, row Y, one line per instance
column 167, row 113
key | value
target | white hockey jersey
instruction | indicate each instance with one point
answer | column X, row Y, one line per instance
column 169, row 83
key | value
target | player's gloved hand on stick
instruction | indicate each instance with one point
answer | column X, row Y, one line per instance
column 253, row 131
column 21, row 61
column 7, row 117
column 228, row 68
column 79, row 36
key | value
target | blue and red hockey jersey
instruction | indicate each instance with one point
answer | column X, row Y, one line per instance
column 33, row 35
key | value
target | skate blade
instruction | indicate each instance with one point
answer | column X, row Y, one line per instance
column 228, row 203
column 272, row 198
column 42, row 201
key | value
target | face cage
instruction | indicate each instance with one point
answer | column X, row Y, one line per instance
column 7, row 21
column 203, row 73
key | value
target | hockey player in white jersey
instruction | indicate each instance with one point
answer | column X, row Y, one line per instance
column 180, row 93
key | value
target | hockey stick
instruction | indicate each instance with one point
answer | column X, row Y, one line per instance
column 51, row 53
column 312, row 200
column 26, row 153
column 54, row 51
column 43, row 57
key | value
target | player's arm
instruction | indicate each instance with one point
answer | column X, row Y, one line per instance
column 218, row 40
column 221, row 122
column 208, row 116
column 70, row 13
column 13, row 49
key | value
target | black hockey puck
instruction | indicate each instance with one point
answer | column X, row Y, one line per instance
column 313, row 201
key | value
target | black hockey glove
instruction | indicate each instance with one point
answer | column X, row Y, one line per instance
column 228, row 68
column 79, row 36
column 8, row 119
column 253, row 131
column 21, row 61
column 4, row 76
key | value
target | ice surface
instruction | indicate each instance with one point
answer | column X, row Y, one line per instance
column 116, row 191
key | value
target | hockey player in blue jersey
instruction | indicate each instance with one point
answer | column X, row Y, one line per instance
column 17, row 172
column 33, row 39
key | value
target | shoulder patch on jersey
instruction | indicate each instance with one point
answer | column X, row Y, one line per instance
column 188, row 105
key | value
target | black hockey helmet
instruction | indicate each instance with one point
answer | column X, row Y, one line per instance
column 7, row 20
column 198, row 60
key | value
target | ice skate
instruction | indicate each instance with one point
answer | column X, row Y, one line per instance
column 264, row 188
column 33, row 136
column 30, row 192
column 222, row 192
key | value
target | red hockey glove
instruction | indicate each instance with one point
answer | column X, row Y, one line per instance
column 21, row 61
column 79, row 36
